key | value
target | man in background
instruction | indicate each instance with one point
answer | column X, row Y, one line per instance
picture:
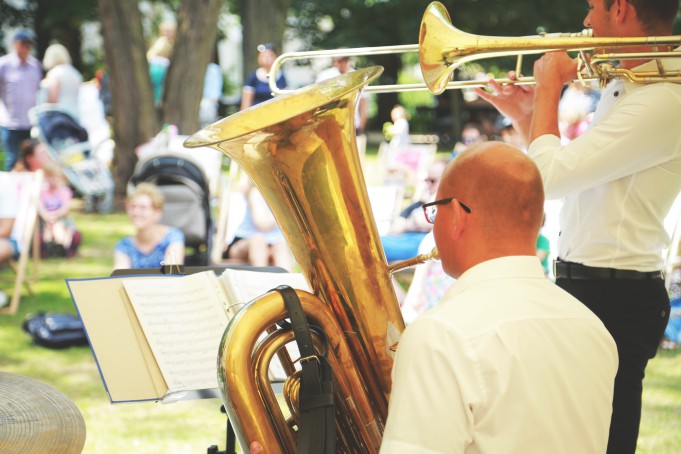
column 20, row 76
column 343, row 65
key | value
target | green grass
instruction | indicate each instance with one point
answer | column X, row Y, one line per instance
column 183, row 427
column 192, row 426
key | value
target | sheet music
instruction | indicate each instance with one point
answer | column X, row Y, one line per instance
column 243, row 286
column 183, row 320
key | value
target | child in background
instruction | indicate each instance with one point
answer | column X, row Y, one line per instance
column 57, row 228
column 397, row 132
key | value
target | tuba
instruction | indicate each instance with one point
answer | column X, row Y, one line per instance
column 300, row 151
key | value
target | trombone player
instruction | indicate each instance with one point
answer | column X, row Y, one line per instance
column 619, row 180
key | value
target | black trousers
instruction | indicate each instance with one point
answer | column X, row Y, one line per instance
column 636, row 314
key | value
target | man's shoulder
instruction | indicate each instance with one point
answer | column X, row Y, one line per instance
column 5, row 61
column 34, row 62
column 173, row 235
column 251, row 79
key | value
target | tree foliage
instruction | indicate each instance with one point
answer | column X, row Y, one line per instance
column 52, row 20
column 11, row 16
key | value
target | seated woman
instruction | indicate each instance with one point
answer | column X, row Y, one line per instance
column 258, row 240
column 154, row 244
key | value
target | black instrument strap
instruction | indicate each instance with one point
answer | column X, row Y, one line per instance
column 317, row 428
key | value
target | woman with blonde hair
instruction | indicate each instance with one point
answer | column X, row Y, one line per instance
column 62, row 82
column 158, row 56
column 153, row 244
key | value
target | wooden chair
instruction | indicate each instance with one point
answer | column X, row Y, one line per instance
column 26, row 234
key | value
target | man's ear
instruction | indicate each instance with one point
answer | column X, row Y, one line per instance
column 460, row 220
column 623, row 11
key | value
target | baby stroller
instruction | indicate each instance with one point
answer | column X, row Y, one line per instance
column 68, row 144
column 187, row 200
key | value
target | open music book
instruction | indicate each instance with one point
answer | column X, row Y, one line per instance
column 156, row 337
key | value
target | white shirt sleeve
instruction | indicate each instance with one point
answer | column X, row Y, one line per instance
column 641, row 131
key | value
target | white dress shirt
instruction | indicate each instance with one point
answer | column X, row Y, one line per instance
column 507, row 363
column 620, row 178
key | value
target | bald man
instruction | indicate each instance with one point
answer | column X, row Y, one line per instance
column 507, row 362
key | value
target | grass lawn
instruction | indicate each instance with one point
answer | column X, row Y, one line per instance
column 183, row 427
column 190, row 427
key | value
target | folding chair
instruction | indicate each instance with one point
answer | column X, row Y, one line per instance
column 406, row 165
column 386, row 204
column 25, row 232
column 231, row 209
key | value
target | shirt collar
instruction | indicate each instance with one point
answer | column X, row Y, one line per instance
column 517, row 266
column 16, row 61
column 669, row 64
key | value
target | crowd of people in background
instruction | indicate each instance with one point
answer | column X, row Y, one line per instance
column 59, row 87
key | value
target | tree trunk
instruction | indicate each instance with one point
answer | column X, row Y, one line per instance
column 263, row 21
column 196, row 33
column 134, row 117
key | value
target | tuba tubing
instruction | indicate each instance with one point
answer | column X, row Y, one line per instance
column 239, row 388
column 300, row 150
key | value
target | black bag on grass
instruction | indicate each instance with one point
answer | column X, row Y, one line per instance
column 55, row 330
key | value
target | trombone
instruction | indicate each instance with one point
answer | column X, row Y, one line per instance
column 443, row 48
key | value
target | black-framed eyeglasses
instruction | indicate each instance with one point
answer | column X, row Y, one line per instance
column 430, row 209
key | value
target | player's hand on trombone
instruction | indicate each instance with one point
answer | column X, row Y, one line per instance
column 554, row 69
column 516, row 102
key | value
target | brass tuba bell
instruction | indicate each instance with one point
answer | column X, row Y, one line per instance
column 300, row 151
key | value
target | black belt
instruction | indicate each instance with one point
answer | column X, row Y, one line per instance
column 570, row 270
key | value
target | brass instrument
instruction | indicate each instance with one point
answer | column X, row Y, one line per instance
column 356, row 52
column 443, row 48
column 300, row 151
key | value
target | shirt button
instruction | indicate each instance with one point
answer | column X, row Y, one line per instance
column 617, row 93
column 664, row 313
